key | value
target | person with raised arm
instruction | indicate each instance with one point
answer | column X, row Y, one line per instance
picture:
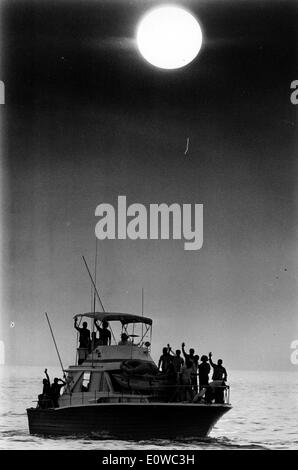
column 194, row 358
column 219, row 372
column 46, row 384
column 104, row 333
column 55, row 391
column 219, row 377
column 84, row 334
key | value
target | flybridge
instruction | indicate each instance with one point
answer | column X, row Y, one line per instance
column 158, row 222
column 124, row 318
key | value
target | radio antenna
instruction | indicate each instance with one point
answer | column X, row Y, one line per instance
column 93, row 342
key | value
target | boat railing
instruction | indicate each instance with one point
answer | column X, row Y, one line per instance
column 171, row 393
column 219, row 394
column 87, row 398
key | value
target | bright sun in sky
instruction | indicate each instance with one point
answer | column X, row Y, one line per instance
column 169, row 37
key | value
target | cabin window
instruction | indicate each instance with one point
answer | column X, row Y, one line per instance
column 86, row 382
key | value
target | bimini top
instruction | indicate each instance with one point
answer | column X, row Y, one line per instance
column 124, row 318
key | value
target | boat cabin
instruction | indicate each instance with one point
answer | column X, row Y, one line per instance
column 130, row 337
column 98, row 370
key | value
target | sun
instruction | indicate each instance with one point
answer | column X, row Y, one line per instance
column 169, row 37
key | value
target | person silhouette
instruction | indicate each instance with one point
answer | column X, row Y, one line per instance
column 164, row 360
column 84, row 334
column 219, row 378
column 204, row 370
column 55, row 391
column 124, row 340
column 219, row 372
column 104, row 333
column 194, row 358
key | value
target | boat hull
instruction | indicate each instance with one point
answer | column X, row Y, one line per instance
column 127, row 420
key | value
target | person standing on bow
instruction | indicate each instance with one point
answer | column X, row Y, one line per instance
column 204, row 371
column 164, row 360
column 194, row 358
column 219, row 378
column 219, row 371
column 55, row 391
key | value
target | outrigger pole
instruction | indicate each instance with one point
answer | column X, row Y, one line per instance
column 96, row 291
column 94, row 286
column 55, row 344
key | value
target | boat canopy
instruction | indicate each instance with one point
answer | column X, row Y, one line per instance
column 124, row 318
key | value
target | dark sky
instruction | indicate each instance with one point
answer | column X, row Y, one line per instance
column 87, row 119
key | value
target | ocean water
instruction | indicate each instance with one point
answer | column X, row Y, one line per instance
column 264, row 415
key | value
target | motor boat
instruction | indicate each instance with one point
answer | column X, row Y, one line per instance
column 116, row 391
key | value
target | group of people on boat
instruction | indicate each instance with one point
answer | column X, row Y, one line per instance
column 181, row 372
column 186, row 371
column 50, row 392
column 90, row 341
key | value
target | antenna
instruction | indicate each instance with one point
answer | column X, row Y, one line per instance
column 142, row 310
column 94, row 301
column 95, row 272
column 142, row 301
